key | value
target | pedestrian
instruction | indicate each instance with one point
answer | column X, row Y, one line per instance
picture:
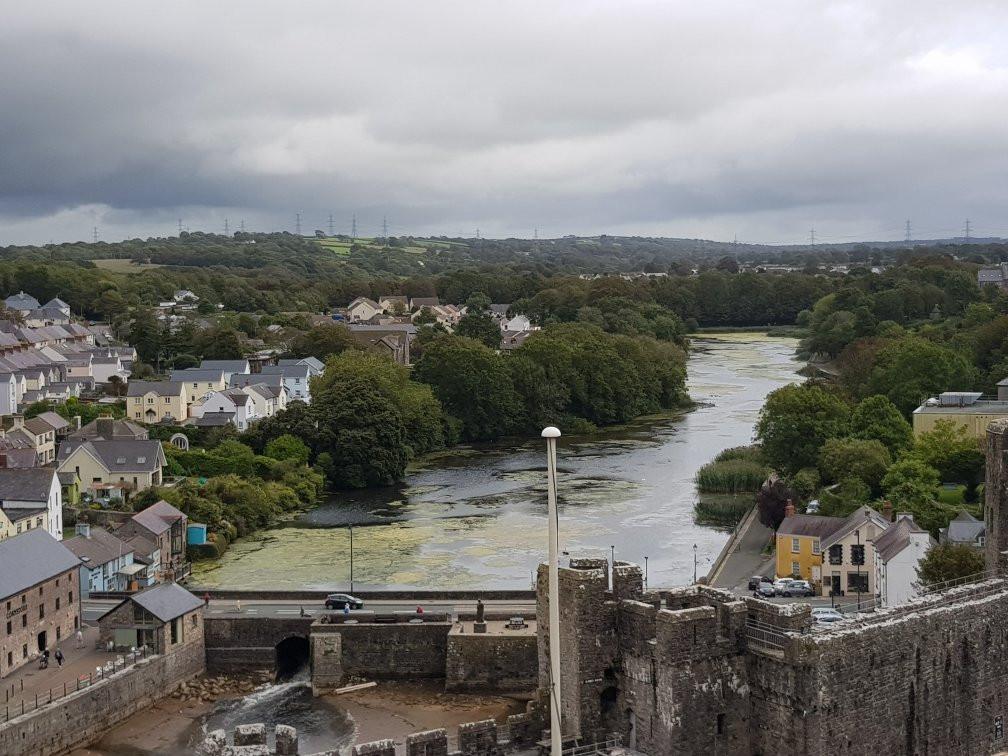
column 59, row 657
column 419, row 610
column 346, row 609
column 302, row 611
column 237, row 605
column 80, row 638
column 206, row 599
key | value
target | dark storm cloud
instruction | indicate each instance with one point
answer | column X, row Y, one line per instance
column 691, row 119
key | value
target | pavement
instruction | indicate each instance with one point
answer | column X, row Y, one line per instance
column 746, row 558
column 29, row 684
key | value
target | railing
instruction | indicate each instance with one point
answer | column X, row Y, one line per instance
column 602, row 747
column 956, row 582
column 30, row 702
column 761, row 634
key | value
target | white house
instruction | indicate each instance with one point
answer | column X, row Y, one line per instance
column 363, row 308
column 294, row 378
column 898, row 551
column 37, row 489
column 8, row 394
column 268, row 400
column 234, row 402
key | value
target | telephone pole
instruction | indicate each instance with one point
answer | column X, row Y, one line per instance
column 243, row 225
column 297, row 224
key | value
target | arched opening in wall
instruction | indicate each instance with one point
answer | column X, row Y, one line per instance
column 609, row 714
column 291, row 657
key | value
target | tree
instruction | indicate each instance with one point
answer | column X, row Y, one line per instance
column 145, row 335
column 914, row 369
column 219, row 343
column 324, row 341
column 481, row 327
column 796, row 421
column 952, row 451
column 878, row 418
column 477, row 303
column 771, row 502
column 950, row 561
column 911, row 486
column 865, row 460
column 288, row 447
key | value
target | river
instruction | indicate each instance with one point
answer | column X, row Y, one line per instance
column 475, row 517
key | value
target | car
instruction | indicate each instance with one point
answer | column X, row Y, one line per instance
column 755, row 580
column 798, row 588
column 340, row 600
column 780, row 584
column 826, row 615
column 764, row 590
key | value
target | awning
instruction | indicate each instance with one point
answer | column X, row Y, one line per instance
column 132, row 569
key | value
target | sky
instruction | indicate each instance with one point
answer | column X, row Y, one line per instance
column 720, row 120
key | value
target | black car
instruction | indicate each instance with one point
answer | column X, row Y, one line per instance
column 340, row 600
column 755, row 580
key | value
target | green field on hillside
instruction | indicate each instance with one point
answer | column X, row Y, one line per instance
column 124, row 265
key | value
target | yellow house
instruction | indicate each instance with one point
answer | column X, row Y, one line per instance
column 14, row 521
column 113, row 468
column 799, row 544
column 153, row 401
column 966, row 409
column 200, row 381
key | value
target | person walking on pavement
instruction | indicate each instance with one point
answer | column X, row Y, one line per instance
column 237, row 605
column 346, row 609
column 206, row 599
column 80, row 638
column 59, row 657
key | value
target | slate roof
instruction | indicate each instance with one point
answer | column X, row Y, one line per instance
column 113, row 429
column 228, row 366
column 364, row 300
column 965, row 528
column 212, row 419
column 896, row 538
column 265, row 390
column 21, row 301
column 817, row 526
column 31, row 484
column 56, row 422
column 197, row 374
column 856, row 519
column 312, row 362
column 418, row 302
column 100, row 548
column 158, row 517
column 143, row 548
column 67, row 478
column 161, row 388
column 118, row 456
column 32, row 558
column 287, row 371
column 167, row 601
column 56, row 303
column 38, row 426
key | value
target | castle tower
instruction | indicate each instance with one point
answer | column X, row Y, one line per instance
column 996, row 496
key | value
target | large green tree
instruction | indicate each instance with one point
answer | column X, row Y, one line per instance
column 877, row 418
column 796, row 421
column 866, row 460
column 913, row 369
column 950, row 561
column 481, row 327
column 323, row 341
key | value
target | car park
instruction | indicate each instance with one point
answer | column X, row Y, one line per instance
column 341, row 600
column 780, row 584
column 798, row 588
column 764, row 589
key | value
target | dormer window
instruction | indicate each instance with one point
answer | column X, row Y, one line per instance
column 120, row 460
column 141, row 460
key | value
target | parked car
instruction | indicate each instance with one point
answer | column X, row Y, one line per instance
column 340, row 600
column 764, row 589
column 826, row 615
column 780, row 584
column 798, row 588
column 755, row 580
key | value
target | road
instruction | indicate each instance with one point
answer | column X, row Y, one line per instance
column 92, row 609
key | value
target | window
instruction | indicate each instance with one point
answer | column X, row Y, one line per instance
column 980, row 540
column 836, row 554
column 38, row 522
column 57, row 602
column 857, row 581
column 10, row 627
column 720, row 724
column 24, row 651
column 58, row 633
column 24, row 620
column 10, row 658
column 136, row 415
column 41, row 611
column 857, row 553
column 40, row 590
column 815, row 546
column 795, row 568
column 167, row 400
column 70, row 599
column 150, row 400
column 28, row 525
column 137, row 401
column 19, row 527
column 795, row 545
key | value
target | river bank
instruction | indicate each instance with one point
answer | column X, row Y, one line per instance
column 472, row 518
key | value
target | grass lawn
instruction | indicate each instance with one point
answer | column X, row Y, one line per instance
column 952, row 496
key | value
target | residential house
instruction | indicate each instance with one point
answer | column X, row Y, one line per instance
column 108, row 428
column 167, row 527
column 21, row 302
column 315, row 366
column 167, row 619
column 38, row 433
column 228, row 367
column 106, row 562
column 39, row 588
column 70, row 484
column 994, row 276
column 185, row 296
column 295, row 379
column 267, row 399
column 156, row 401
column 57, row 304
column 8, row 394
column 34, row 492
column 965, row 528
column 147, row 554
column 799, row 544
column 898, row 552
column 393, row 340
column 417, row 303
column 109, row 366
column 393, row 303
column 17, row 452
column 113, row 468
column 235, row 403
column 363, row 308
column 199, row 382
column 15, row 521
column 59, row 424
column 849, row 554
column 46, row 316
column 513, row 339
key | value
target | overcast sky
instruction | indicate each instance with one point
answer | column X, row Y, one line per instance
column 709, row 119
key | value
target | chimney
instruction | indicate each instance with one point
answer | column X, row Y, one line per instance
column 18, row 421
column 103, row 427
column 907, row 515
column 789, row 509
column 77, row 422
column 887, row 510
column 83, row 528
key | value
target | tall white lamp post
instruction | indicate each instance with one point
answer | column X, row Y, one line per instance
column 551, row 434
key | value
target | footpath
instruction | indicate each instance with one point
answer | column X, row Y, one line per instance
column 742, row 557
column 30, row 686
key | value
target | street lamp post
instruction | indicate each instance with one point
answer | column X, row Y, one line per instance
column 612, row 567
column 551, row 434
column 645, row 573
column 694, row 563
column 351, row 558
